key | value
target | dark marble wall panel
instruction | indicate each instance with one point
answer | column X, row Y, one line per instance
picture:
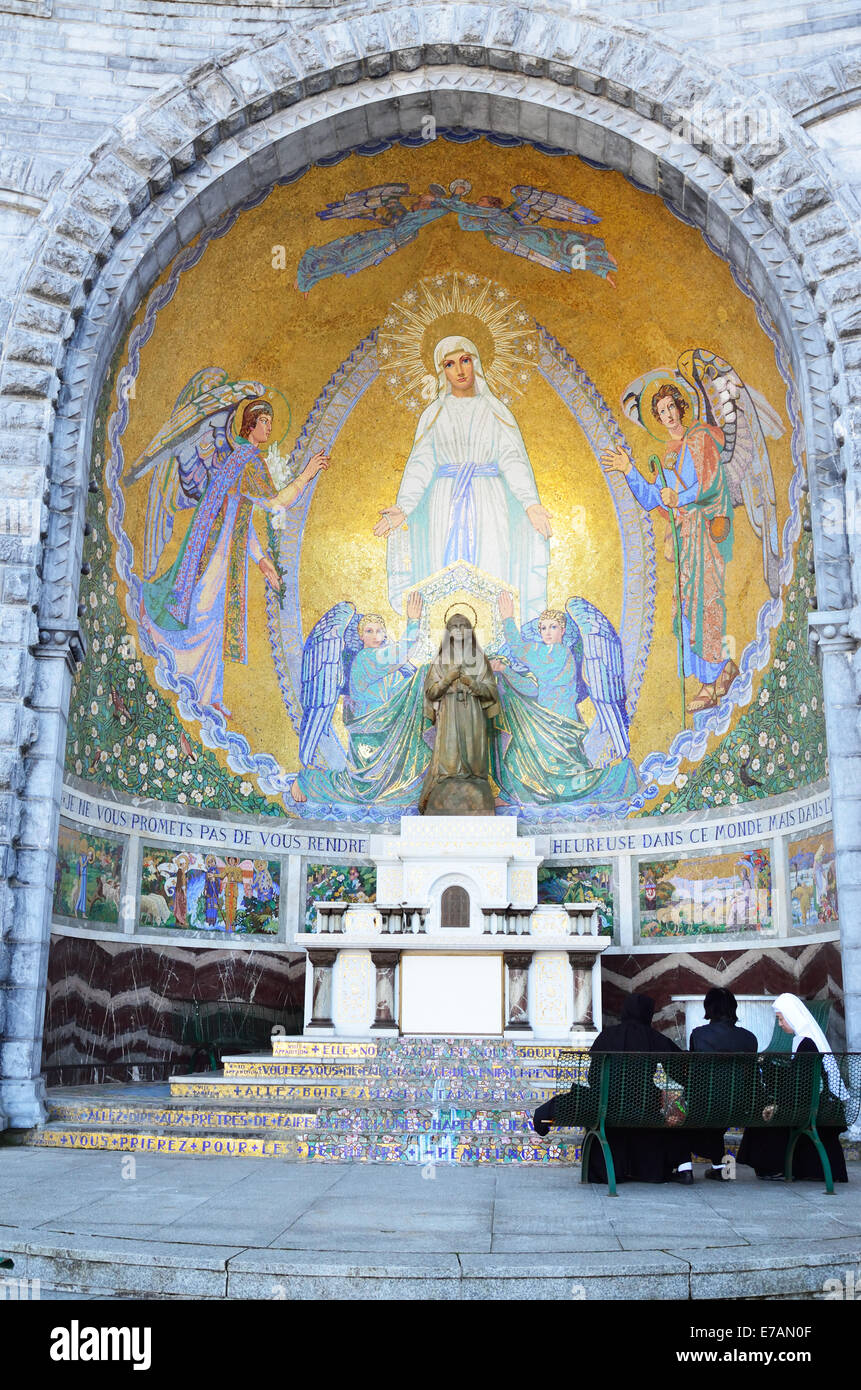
column 811, row 971
column 115, row 1005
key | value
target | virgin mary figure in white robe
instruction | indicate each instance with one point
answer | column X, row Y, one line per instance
column 465, row 489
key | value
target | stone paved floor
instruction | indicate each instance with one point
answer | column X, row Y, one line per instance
column 391, row 1217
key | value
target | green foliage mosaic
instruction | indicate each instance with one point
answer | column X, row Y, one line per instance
column 579, row 883
column 338, row 883
column 778, row 744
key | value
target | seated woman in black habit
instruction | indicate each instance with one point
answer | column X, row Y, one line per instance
column 720, row 1033
column 639, row 1155
column 764, row 1149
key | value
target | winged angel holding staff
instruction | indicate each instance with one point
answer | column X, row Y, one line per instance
column 207, row 459
column 712, row 462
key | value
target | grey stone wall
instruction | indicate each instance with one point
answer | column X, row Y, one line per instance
column 70, row 71
column 130, row 129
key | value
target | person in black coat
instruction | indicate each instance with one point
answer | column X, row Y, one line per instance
column 764, row 1150
column 720, row 1034
column 639, row 1155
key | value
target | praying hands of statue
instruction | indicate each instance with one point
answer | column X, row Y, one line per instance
column 390, row 519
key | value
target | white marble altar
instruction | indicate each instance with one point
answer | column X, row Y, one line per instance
column 512, row 968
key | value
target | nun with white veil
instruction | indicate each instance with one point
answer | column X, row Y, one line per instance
column 468, row 490
column 764, row 1149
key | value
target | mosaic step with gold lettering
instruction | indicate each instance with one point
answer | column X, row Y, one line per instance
column 403, row 1058
column 388, row 1052
column 393, row 1100
column 426, row 1148
column 153, row 1120
column 408, row 1083
column 297, row 1068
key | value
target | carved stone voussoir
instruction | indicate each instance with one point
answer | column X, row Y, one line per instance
column 67, row 643
column 831, row 632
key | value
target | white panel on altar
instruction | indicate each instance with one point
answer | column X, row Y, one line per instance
column 450, row 995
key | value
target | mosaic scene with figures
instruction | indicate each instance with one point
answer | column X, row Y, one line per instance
column 707, row 895
column 88, row 876
column 813, row 882
column 208, row 892
column 430, row 613
column 431, row 417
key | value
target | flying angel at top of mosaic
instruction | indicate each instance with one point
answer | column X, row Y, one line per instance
column 515, row 225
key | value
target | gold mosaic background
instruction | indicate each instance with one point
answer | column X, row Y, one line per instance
column 234, row 310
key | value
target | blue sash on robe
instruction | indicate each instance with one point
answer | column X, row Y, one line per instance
column 461, row 542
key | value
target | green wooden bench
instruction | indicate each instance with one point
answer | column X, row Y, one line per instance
column 703, row 1090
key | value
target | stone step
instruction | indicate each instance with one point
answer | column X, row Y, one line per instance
column 451, row 1049
column 181, row 1116
column 192, row 1145
column 249, row 1088
column 527, row 1093
column 427, row 1147
column 326, row 1048
column 264, row 1066
column 243, row 1120
column 287, row 1069
column 441, row 1147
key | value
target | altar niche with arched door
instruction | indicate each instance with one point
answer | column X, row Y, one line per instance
column 455, row 905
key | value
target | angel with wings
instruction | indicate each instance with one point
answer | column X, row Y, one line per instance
column 711, row 464
column 350, row 657
column 512, row 227
column 518, row 229
column 546, row 670
column 394, row 226
column 207, row 459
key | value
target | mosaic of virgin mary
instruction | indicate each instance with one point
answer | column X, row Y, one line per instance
column 468, row 489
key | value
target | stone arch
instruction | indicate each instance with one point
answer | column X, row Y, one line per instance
column 604, row 90
column 823, row 87
column 189, row 155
